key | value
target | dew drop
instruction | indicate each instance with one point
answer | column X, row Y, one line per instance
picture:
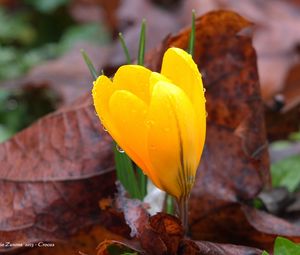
column 104, row 128
column 119, row 149
column 204, row 89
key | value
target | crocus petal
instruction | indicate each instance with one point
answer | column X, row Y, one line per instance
column 102, row 91
column 128, row 114
column 154, row 78
column 135, row 79
column 180, row 68
column 172, row 145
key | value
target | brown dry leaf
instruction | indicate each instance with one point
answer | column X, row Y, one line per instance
column 276, row 36
column 83, row 243
column 208, row 248
column 162, row 235
column 283, row 119
column 233, row 223
column 50, row 175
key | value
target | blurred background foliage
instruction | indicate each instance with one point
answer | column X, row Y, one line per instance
column 32, row 32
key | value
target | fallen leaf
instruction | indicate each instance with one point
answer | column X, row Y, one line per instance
column 208, row 248
column 83, row 243
column 50, row 175
column 275, row 20
column 283, row 120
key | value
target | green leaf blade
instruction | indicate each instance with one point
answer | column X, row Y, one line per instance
column 191, row 47
column 125, row 48
column 142, row 44
column 89, row 64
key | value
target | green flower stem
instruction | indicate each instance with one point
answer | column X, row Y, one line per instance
column 169, row 204
column 183, row 207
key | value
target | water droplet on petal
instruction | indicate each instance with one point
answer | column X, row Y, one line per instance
column 204, row 90
column 119, row 149
column 104, row 128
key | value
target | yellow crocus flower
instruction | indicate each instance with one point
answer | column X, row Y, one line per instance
column 159, row 120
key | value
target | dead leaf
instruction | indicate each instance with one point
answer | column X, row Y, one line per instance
column 84, row 242
column 208, row 248
column 50, row 175
column 282, row 121
column 275, row 20
column 239, row 224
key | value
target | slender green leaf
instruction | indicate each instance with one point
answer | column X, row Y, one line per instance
column 125, row 173
column 89, row 64
column 142, row 44
column 126, row 52
column 192, row 35
column 142, row 182
column 284, row 246
column 265, row 253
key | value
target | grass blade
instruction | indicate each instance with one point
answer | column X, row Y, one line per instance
column 192, row 35
column 127, row 55
column 89, row 64
column 142, row 44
